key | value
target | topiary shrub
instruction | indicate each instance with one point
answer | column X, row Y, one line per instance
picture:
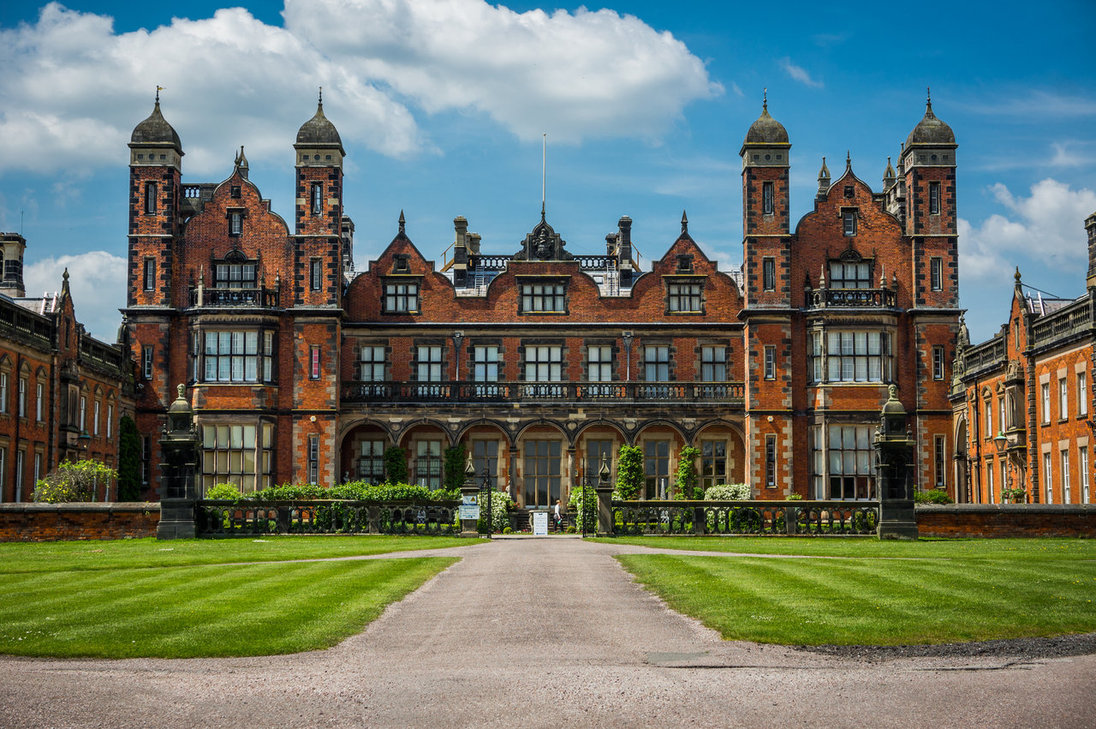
column 129, row 460
column 629, row 472
column 70, row 481
column 223, row 492
column 453, row 468
column 395, row 465
column 687, row 482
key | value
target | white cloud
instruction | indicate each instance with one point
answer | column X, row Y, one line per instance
column 799, row 73
column 1049, row 223
column 97, row 282
column 74, row 89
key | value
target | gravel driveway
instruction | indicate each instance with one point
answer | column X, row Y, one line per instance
column 552, row 632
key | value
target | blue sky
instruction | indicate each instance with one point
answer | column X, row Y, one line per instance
column 441, row 107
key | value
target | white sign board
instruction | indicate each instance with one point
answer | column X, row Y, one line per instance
column 540, row 523
column 470, row 499
column 469, row 511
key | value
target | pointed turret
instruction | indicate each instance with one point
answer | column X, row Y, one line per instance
column 823, row 181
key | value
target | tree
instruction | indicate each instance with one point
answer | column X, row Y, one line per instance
column 454, row 467
column 73, row 481
column 395, row 465
column 129, row 460
column 629, row 471
column 686, row 474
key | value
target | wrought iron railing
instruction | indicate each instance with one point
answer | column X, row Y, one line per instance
column 594, row 392
column 245, row 518
column 762, row 518
column 877, row 298
column 261, row 297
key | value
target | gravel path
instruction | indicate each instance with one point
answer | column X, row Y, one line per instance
column 549, row 632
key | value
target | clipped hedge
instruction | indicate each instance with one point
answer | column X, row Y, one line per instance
column 352, row 491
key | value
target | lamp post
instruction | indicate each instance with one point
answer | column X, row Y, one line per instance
column 490, row 512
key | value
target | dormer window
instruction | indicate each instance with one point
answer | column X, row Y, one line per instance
column 848, row 218
column 235, row 222
column 849, row 192
column 401, row 263
column 235, row 192
column 685, row 297
column 684, row 263
column 401, row 297
column 544, row 297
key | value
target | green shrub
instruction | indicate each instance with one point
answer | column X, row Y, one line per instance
column 500, row 507
column 395, row 465
column 351, row 491
column 507, row 530
column 73, row 481
column 583, row 500
column 932, row 496
column 794, row 497
column 686, row 473
column 629, row 472
column 129, row 460
column 223, row 492
column 453, row 468
column 729, row 492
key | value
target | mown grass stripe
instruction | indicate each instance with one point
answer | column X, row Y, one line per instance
column 209, row 610
column 874, row 601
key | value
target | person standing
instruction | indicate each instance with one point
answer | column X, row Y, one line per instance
column 557, row 516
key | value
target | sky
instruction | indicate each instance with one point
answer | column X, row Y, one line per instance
column 442, row 106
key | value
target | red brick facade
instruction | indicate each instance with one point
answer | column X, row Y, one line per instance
column 1024, row 401
column 62, row 392
column 543, row 361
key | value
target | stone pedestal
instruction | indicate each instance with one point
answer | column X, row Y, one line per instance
column 178, row 495
column 469, row 527
column 895, row 473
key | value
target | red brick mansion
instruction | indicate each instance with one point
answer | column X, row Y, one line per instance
column 539, row 358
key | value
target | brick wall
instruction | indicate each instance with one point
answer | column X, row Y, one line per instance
column 63, row 522
column 1007, row 520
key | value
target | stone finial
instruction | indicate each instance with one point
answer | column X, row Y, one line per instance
column 403, row 224
column 684, row 223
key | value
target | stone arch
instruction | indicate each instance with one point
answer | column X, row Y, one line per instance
column 353, row 462
column 529, row 424
column 723, row 452
column 543, row 463
column 424, row 442
column 962, row 477
column 593, row 441
column 661, row 441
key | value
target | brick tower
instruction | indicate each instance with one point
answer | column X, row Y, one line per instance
column 317, row 295
column 767, row 280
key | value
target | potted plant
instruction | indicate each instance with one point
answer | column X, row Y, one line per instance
column 1013, row 496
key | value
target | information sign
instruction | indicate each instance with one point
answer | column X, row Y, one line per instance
column 469, row 511
column 540, row 523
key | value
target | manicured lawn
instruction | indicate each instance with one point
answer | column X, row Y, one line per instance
column 930, row 592
column 188, row 599
column 129, row 553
